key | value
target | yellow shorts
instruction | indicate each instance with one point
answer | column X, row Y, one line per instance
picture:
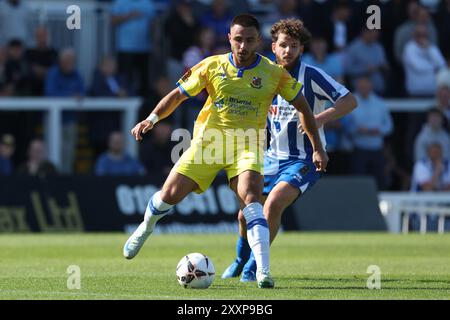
column 197, row 164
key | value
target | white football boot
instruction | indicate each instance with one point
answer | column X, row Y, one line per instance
column 136, row 240
column 264, row 279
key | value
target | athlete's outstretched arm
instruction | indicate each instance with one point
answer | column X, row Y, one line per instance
column 165, row 107
column 320, row 157
column 343, row 106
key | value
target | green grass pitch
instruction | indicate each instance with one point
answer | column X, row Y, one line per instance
column 304, row 266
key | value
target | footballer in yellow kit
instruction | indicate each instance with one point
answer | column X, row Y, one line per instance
column 239, row 98
column 241, row 86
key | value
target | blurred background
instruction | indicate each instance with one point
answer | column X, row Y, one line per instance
column 68, row 99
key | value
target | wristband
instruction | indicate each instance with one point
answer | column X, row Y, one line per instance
column 153, row 118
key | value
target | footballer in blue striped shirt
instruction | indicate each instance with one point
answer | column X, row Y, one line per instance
column 288, row 167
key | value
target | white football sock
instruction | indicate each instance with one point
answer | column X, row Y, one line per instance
column 156, row 209
column 258, row 235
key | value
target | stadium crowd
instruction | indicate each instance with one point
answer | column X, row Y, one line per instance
column 408, row 58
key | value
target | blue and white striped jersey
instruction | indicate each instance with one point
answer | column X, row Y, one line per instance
column 320, row 90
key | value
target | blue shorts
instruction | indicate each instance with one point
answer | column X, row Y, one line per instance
column 298, row 173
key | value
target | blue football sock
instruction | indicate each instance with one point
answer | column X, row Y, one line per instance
column 242, row 250
column 250, row 265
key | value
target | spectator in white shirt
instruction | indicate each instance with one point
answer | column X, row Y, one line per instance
column 432, row 131
column 417, row 15
column 433, row 172
column 430, row 174
column 421, row 60
column 368, row 125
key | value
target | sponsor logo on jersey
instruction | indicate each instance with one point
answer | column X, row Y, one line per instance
column 256, row 83
column 186, row 75
column 273, row 110
column 219, row 104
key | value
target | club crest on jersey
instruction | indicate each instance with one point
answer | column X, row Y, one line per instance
column 256, row 83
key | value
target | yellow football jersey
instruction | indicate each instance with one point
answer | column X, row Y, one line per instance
column 239, row 98
column 237, row 106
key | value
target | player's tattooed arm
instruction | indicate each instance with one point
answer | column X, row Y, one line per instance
column 308, row 121
column 342, row 107
column 320, row 157
column 165, row 107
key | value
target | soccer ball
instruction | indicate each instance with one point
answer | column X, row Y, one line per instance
column 195, row 270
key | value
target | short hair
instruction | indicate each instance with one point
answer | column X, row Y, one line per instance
column 294, row 28
column 15, row 43
column 434, row 144
column 364, row 76
column 67, row 51
column 436, row 111
column 245, row 20
column 342, row 4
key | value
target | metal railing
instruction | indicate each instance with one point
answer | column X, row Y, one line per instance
column 54, row 107
column 397, row 208
column 409, row 105
column 96, row 36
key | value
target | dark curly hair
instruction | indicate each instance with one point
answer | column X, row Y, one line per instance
column 294, row 28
